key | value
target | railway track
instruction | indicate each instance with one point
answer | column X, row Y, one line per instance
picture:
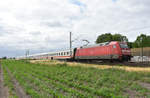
column 133, row 64
column 125, row 63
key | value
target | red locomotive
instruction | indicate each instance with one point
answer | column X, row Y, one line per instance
column 104, row 51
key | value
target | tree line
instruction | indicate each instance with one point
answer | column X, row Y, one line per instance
column 141, row 41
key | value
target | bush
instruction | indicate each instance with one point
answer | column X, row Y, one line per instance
column 63, row 64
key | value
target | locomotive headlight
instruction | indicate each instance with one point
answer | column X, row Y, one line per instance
column 126, row 51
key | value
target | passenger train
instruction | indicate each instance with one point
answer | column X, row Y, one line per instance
column 113, row 50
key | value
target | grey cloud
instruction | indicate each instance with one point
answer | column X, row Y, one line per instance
column 2, row 31
column 35, row 27
column 53, row 24
column 35, row 33
column 67, row 22
column 27, row 41
column 10, row 52
column 6, row 30
column 56, row 40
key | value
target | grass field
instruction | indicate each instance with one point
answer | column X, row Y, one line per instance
column 58, row 80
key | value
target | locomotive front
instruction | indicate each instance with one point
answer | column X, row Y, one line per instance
column 125, row 51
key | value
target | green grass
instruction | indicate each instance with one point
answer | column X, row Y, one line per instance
column 9, row 84
column 44, row 81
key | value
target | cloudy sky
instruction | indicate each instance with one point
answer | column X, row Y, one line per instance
column 44, row 25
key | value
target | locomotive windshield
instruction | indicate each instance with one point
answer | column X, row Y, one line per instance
column 123, row 45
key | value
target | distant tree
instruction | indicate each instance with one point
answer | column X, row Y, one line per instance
column 142, row 41
column 104, row 38
column 119, row 37
column 109, row 37
column 130, row 44
column 4, row 57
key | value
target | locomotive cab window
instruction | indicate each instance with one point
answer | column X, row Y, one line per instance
column 114, row 46
column 123, row 45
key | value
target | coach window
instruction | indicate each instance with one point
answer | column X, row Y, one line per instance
column 61, row 53
column 70, row 52
column 67, row 53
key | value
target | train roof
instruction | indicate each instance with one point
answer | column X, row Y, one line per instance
column 100, row 44
column 46, row 53
column 95, row 45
